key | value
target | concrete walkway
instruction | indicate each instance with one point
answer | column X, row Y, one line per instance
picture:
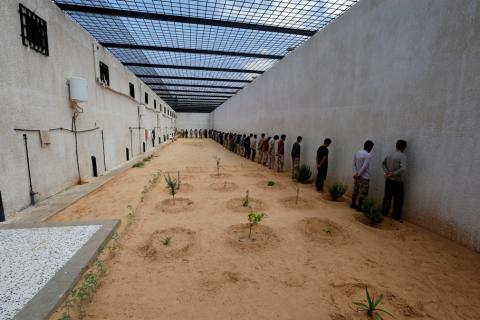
column 56, row 203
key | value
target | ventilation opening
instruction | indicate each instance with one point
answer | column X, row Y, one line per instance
column 94, row 166
column 132, row 90
column 104, row 74
column 127, row 153
column 2, row 212
column 144, row 147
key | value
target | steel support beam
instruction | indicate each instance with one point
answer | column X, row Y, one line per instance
column 192, row 78
column 189, row 50
column 185, row 95
column 170, row 66
column 181, row 19
column 190, row 85
column 196, row 91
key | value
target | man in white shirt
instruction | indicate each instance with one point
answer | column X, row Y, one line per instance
column 361, row 178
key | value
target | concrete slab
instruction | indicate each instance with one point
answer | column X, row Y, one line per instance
column 42, row 262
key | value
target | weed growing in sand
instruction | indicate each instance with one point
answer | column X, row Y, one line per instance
column 178, row 180
column 371, row 307
column 372, row 213
column 217, row 160
column 303, row 173
column 139, row 165
column 130, row 215
column 254, row 219
column 270, row 183
column 149, row 158
column 167, row 240
column 297, row 193
column 246, row 200
column 328, row 230
column 172, row 186
column 337, row 190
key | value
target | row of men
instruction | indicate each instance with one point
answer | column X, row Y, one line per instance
column 271, row 150
column 195, row 133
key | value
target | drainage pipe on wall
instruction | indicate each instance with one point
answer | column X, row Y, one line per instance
column 2, row 211
column 32, row 193
column 74, row 129
column 103, row 146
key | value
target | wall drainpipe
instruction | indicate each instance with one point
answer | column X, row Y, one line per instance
column 103, row 146
column 32, row 193
column 74, row 129
column 2, row 211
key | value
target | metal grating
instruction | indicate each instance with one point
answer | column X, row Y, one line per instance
column 201, row 47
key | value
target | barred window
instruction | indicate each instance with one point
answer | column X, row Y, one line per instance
column 34, row 30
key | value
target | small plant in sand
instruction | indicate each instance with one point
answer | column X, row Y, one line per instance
column 172, row 186
column 270, row 183
column 217, row 160
column 337, row 190
column 130, row 215
column 297, row 192
column 167, row 240
column 139, row 165
column 246, row 200
column 328, row 230
column 254, row 219
column 303, row 173
column 371, row 307
column 371, row 212
column 178, row 180
column 147, row 159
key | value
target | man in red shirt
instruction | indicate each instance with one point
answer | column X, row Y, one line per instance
column 281, row 153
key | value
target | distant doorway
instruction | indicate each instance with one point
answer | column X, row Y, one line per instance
column 127, row 153
column 94, row 166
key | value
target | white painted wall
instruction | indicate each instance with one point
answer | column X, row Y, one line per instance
column 385, row 70
column 186, row 120
column 34, row 95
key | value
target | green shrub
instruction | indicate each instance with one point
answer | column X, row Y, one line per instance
column 270, row 183
column 139, row 165
column 253, row 219
column 371, row 307
column 372, row 213
column 172, row 186
column 337, row 190
column 303, row 173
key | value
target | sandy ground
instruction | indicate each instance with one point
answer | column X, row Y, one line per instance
column 292, row 270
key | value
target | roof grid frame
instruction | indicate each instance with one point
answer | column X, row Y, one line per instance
column 201, row 47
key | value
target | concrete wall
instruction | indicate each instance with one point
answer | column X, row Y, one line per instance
column 385, row 70
column 186, row 120
column 34, row 95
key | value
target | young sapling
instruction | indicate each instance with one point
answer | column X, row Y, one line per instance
column 178, row 180
column 254, row 219
column 217, row 159
column 172, row 186
column 270, row 183
column 328, row 230
column 246, row 200
column 167, row 240
column 371, row 307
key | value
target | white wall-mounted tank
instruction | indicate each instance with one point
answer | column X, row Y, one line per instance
column 78, row 89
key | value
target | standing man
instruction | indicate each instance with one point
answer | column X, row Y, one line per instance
column 322, row 164
column 394, row 167
column 271, row 152
column 281, row 153
column 265, row 144
column 253, row 146
column 361, row 177
column 246, row 144
column 296, row 156
column 260, row 148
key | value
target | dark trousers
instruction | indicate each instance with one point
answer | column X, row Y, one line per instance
column 254, row 153
column 247, row 152
column 321, row 177
column 393, row 189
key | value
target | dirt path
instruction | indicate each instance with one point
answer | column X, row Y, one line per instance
column 294, row 270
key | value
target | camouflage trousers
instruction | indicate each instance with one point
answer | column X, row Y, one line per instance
column 360, row 190
column 295, row 166
column 280, row 162
column 260, row 156
column 271, row 160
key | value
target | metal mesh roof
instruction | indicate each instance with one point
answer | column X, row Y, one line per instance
column 188, row 49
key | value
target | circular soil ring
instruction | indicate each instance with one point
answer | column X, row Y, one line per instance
column 220, row 176
column 184, row 188
column 261, row 237
column 387, row 224
column 292, row 203
column 181, row 240
column 264, row 185
column 326, row 198
column 323, row 230
column 225, row 186
column 179, row 205
column 235, row 204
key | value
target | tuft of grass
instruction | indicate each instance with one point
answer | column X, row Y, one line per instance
column 270, row 183
column 371, row 212
column 149, row 158
column 217, row 160
column 328, row 230
column 303, row 173
column 337, row 190
column 139, row 165
column 167, row 240
column 371, row 307
column 254, row 219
